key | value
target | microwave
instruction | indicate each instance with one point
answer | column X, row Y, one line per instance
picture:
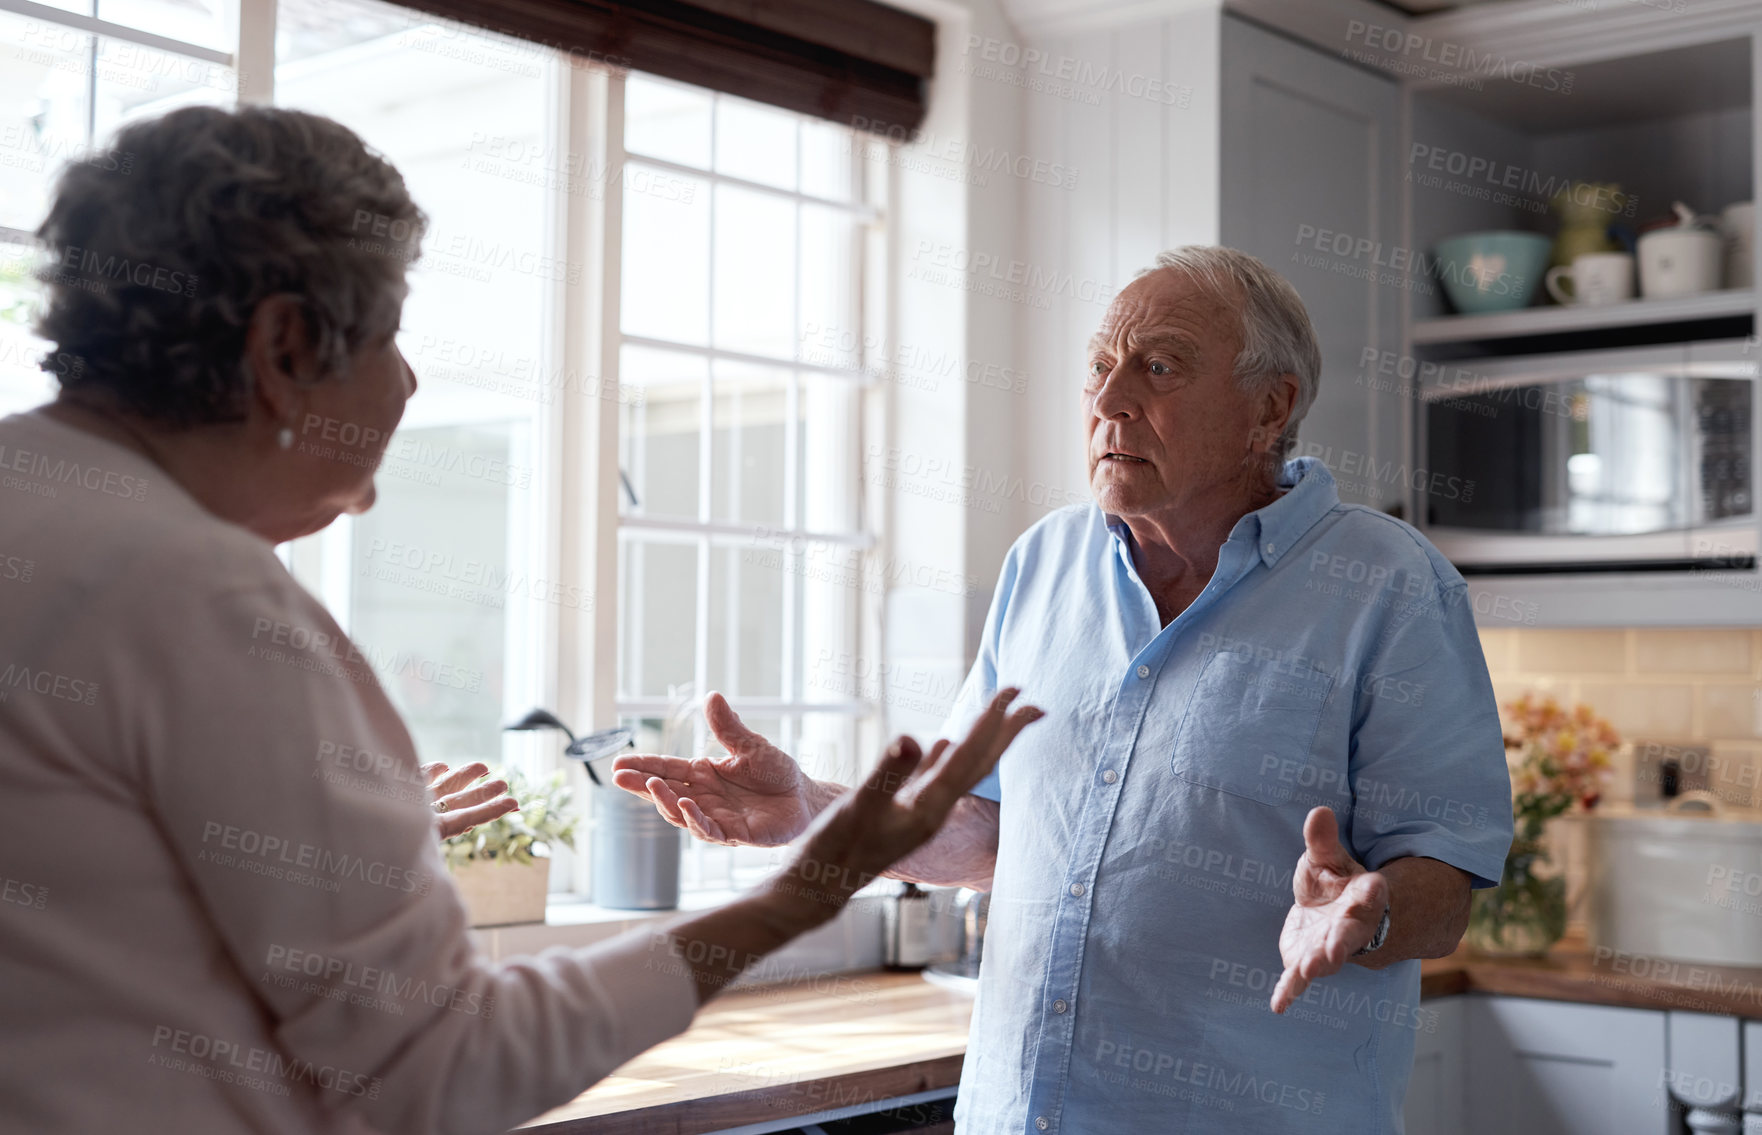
column 1631, row 460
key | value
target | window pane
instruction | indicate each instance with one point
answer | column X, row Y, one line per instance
column 747, row 449
column 305, row 28
column 659, row 433
column 23, row 384
column 47, row 113
column 201, row 22
column 826, row 151
column 755, row 142
column 437, row 570
column 778, row 279
column 826, row 748
column 755, row 272
column 829, row 332
column 657, row 616
column 828, row 434
column 44, row 113
column 136, row 82
column 832, row 581
column 462, row 115
column 667, row 121
column 665, row 292
column 746, row 633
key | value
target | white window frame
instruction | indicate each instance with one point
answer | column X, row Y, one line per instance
column 61, row 17
column 705, row 533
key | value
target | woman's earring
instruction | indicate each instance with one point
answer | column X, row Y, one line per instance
column 285, row 438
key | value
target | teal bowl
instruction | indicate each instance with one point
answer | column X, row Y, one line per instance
column 1491, row 271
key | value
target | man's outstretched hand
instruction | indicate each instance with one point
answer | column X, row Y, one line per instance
column 1337, row 908
column 755, row 795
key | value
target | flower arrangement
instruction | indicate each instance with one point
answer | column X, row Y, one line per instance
column 1562, row 760
column 1559, row 761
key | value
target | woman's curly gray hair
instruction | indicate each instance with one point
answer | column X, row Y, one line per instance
column 164, row 245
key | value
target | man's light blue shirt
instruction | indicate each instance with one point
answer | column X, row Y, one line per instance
column 1150, row 825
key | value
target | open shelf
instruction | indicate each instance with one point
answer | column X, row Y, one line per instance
column 1532, row 321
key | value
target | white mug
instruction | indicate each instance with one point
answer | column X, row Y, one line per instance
column 1597, row 278
column 1679, row 262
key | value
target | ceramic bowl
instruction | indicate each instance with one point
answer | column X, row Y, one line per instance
column 1491, row 271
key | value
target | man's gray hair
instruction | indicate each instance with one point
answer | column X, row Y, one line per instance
column 1277, row 336
column 164, row 244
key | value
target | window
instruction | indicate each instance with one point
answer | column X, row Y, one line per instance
column 743, row 525
column 437, row 582
column 734, row 287
column 67, row 88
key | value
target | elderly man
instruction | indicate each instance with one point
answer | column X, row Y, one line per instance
column 1271, row 768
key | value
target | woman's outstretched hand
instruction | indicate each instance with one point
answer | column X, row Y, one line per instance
column 461, row 805
column 904, row 802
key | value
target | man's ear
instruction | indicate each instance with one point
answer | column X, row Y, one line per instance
column 1277, row 405
column 280, row 357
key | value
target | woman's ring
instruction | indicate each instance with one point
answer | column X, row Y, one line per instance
column 440, row 805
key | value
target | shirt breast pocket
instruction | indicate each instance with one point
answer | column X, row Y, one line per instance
column 1250, row 727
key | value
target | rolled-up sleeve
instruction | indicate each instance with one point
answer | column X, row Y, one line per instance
column 289, row 789
column 1428, row 768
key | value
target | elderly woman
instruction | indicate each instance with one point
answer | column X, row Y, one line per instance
column 199, row 933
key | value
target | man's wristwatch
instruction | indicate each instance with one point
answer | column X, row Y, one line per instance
column 1376, row 940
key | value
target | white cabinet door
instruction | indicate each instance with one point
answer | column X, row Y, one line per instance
column 1435, row 1092
column 1705, row 1051
column 1554, row 1068
column 1310, row 177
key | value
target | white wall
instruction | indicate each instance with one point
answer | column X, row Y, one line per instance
column 944, row 531
column 1052, row 166
column 1148, row 180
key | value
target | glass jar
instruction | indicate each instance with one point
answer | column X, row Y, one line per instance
column 1526, row 913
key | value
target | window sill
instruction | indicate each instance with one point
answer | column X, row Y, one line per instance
column 574, row 922
column 852, row 941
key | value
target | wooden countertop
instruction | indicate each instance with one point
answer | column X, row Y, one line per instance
column 787, row 1050
column 772, row 1053
column 1573, row 971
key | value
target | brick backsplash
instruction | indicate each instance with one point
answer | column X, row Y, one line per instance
column 1688, row 684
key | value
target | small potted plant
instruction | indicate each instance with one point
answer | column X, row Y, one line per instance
column 503, row 868
column 1558, row 761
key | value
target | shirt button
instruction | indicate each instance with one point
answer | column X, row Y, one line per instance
column 1144, row 671
column 1077, row 889
column 1041, row 1122
column 1269, row 549
column 1059, row 1006
column 1110, row 776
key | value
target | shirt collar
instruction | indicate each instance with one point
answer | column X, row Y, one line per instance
column 1274, row 528
column 1278, row 526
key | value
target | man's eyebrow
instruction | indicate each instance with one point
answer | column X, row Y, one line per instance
column 1181, row 346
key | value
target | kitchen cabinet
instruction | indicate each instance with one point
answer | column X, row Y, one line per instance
column 1345, row 180
column 1523, row 1066
column 1704, row 1068
column 1553, row 1068
column 1751, row 1053
column 1436, row 1092
column 1664, row 123
column 1309, row 159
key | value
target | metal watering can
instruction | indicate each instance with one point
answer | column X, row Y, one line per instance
column 635, row 852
